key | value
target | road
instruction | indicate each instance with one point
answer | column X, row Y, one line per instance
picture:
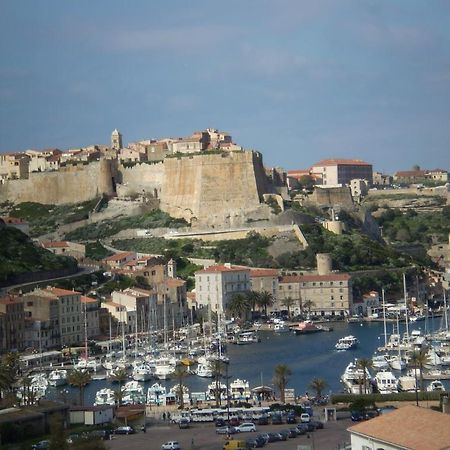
column 203, row 437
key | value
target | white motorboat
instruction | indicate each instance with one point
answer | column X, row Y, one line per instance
column 353, row 379
column 396, row 362
column 105, row 397
column 133, row 393
column 163, row 369
column 247, row 337
column 346, row 343
column 86, row 364
column 240, row 390
column 386, row 382
column 407, row 383
column 57, row 377
column 156, row 394
column 379, row 362
column 281, row 327
column 142, row 372
column 435, row 385
column 204, row 370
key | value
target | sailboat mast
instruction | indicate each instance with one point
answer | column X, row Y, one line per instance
column 384, row 319
column 85, row 333
column 406, row 308
column 445, row 310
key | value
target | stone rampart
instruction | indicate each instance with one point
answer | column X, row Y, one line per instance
column 213, row 188
column 71, row 184
column 142, row 178
column 329, row 197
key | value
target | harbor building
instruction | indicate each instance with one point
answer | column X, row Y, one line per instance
column 326, row 293
column 12, row 324
column 426, row 429
column 216, row 286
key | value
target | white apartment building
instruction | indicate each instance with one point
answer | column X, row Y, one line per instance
column 216, row 285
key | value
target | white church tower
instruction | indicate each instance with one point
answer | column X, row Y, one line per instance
column 116, row 140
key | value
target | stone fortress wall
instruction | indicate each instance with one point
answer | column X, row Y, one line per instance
column 71, row 184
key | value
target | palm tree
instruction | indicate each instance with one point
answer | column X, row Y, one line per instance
column 280, row 379
column 419, row 359
column 9, row 366
column 288, row 302
column 80, row 379
column 364, row 364
column 239, row 305
column 308, row 304
column 119, row 376
column 265, row 300
column 180, row 374
column 318, row 385
column 253, row 298
column 218, row 368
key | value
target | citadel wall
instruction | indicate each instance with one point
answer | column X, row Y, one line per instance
column 71, row 184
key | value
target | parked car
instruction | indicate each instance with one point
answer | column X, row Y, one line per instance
column 274, row 437
column 264, row 436
column 263, row 420
column 290, row 418
column 220, row 422
column 305, row 417
column 234, row 421
column 183, row 424
column 125, row 430
column 100, row 434
column 357, row 416
column 284, row 434
column 246, row 426
column 318, row 425
column 293, row 432
column 302, row 428
column 226, row 430
column 171, row 445
column 256, row 442
column 277, row 419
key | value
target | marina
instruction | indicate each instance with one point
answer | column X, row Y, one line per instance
column 307, row 356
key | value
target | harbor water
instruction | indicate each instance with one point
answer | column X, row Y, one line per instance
column 307, row 356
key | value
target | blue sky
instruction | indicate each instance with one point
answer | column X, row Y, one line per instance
column 299, row 80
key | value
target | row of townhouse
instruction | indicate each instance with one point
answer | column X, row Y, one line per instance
column 326, row 293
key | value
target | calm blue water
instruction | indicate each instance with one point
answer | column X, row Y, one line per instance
column 307, row 356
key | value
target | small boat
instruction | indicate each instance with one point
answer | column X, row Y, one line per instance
column 307, row 327
column 57, row 377
column 379, row 362
column 396, row 362
column 105, row 397
column 240, row 390
column 247, row 337
column 204, row 371
column 133, row 393
column 435, row 385
column 346, row 343
column 386, row 382
column 353, row 379
column 281, row 327
column 142, row 372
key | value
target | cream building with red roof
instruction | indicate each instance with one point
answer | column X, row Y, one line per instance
column 407, row 428
column 339, row 172
column 216, row 285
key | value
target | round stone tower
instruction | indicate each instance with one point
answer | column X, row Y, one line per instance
column 323, row 263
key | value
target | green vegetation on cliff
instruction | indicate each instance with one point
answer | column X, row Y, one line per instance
column 19, row 255
column 153, row 219
column 46, row 218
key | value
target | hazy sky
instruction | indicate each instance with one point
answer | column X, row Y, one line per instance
column 299, row 80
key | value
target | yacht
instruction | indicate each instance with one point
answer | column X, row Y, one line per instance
column 142, row 372
column 86, row 364
column 133, row 393
column 346, row 343
column 163, row 369
column 240, row 390
column 386, row 382
column 396, row 362
column 156, row 394
column 379, row 362
column 204, row 370
column 247, row 337
column 435, row 385
column 353, row 379
column 105, row 397
column 307, row 327
column 213, row 387
column 407, row 383
column 57, row 377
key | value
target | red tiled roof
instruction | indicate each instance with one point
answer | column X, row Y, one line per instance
column 9, row 299
column 175, row 282
column 119, row 256
column 410, row 427
column 60, row 292
column 88, row 299
column 13, row 220
column 342, row 162
column 306, row 278
column 263, row 273
column 222, row 268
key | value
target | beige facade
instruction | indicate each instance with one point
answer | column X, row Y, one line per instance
column 59, row 313
column 187, row 145
column 323, row 295
column 132, row 155
column 14, row 166
column 339, row 172
column 91, row 307
column 265, row 280
column 216, row 286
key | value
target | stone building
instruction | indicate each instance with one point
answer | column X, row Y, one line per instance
column 12, row 324
column 57, row 314
column 14, row 166
column 265, row 280
column 216, row 286
column 339, row 172
column 326, row 293
column 91, row 307
column 66, row 248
